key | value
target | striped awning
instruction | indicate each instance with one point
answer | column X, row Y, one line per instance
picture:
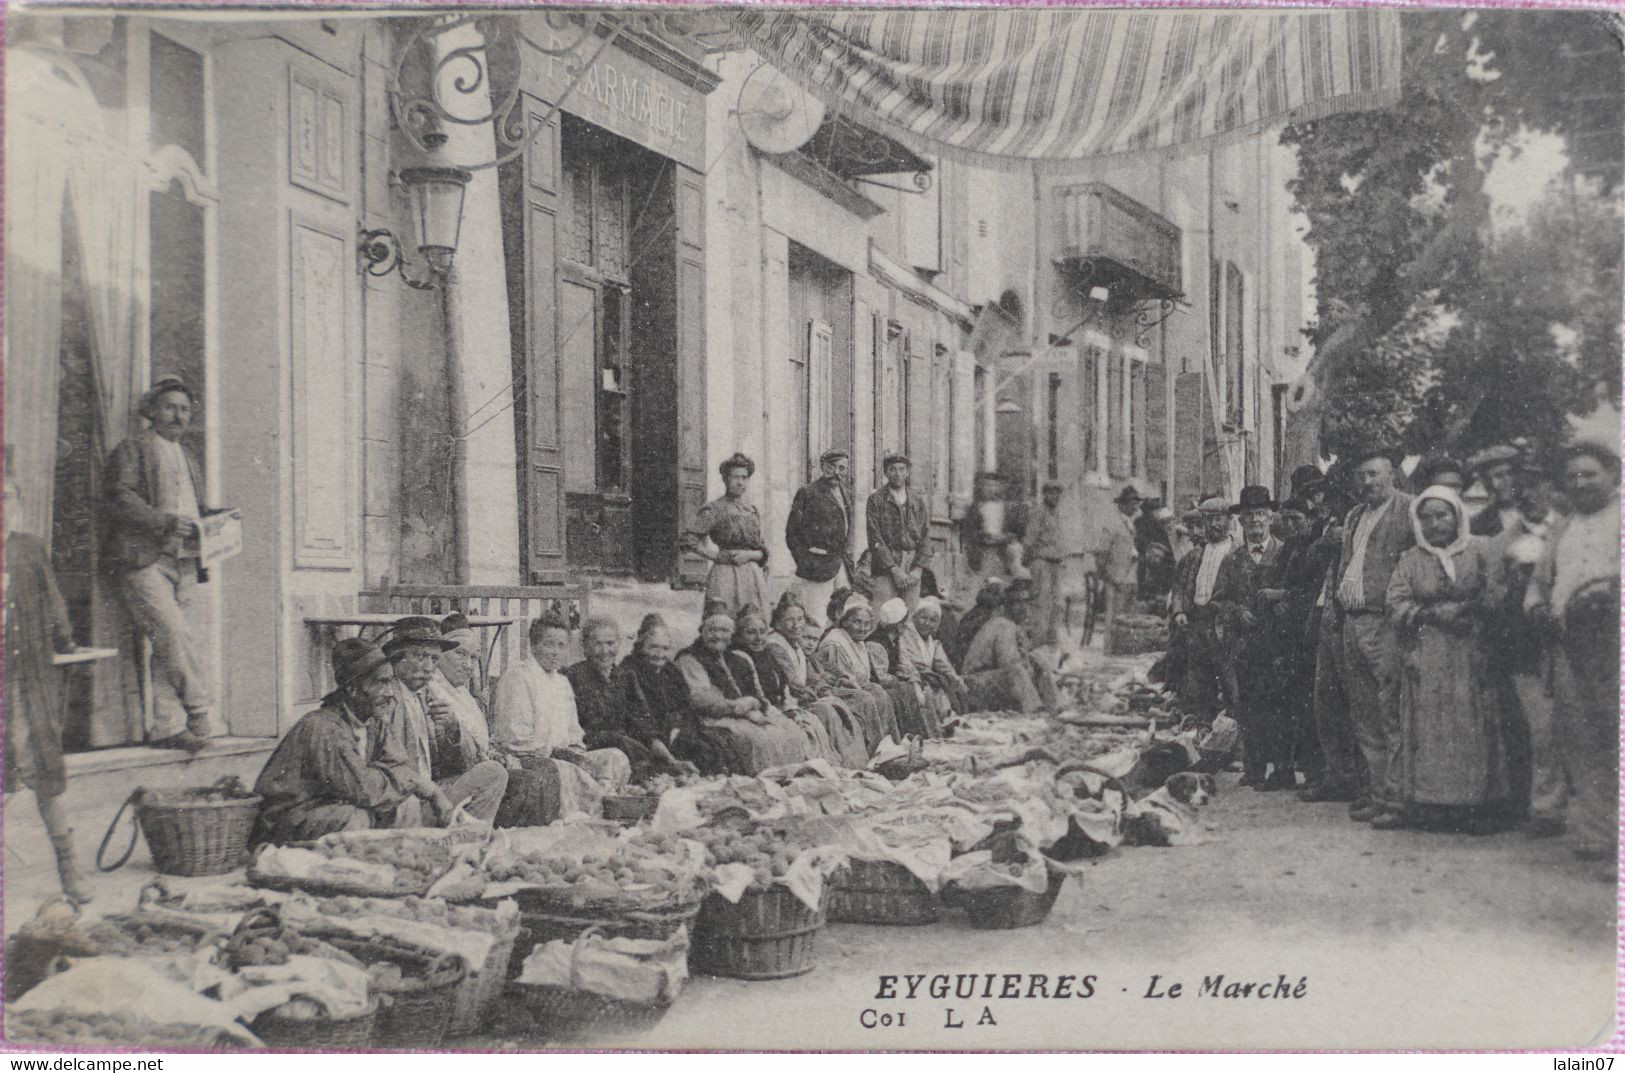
column 1065, row 85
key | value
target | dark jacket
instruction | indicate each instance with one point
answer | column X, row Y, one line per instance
column 1487, row 522
column 1391, row 538
column 135, row 533
column 818, row 531
column 893, row 529
column 1235, row 590
column 975, row 541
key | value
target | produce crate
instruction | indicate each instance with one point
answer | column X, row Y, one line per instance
column 319, row 1034
column 769, row 934
column 561, row 914
column 1010, row 907
column 881, row 892
column 561, row 1013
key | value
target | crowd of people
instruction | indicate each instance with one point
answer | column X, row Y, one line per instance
column 1428, row 666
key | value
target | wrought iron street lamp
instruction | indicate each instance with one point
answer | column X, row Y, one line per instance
column 436, row 195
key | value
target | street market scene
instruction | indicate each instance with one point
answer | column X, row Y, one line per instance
column 765, row 528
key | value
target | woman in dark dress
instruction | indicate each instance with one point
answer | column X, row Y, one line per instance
column 654, row 708
column 37, row 628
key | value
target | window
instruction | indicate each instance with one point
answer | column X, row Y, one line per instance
column 1094, row 409
column 614, row 410
column 1136, row 418
column 983, row 404
column 176, row 329
column 1278, row 429
column 1052, row 428
column 176, row 97
column 1235, row 343
column 1116, row 463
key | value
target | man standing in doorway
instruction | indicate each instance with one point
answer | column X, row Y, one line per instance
column 1377, row 532
column 819, row 533
column 1119, row 563
column 899, row 528
column 154, row 524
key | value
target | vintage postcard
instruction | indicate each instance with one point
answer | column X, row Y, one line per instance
column 822, row 528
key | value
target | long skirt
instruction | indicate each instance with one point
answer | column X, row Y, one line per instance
column 1451, row 751
column 750, row 748
column 845, row 731
column 739, row 586
column 532, row 797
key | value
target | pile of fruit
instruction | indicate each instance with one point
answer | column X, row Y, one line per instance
column 647, row 868
column 417, row 861
column 136, row 936
column 73, row 1027
column 434, row 911
column 767, row 849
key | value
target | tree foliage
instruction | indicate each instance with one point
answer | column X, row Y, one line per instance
column 1431, row 327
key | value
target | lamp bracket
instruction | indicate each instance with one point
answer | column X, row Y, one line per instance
column 378, row 253
column 1149, row 313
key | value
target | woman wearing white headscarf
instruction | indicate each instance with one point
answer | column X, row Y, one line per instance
column 843, row 654
column 918, row 646
column 1452, row 761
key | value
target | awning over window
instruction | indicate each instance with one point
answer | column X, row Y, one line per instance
column 1068, row 85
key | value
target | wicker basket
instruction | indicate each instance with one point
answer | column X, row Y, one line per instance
column 767, row 935
column 573, row 1013
column 418, row 1012
column 200, row 831
column 549, row 915
column 1010, row 907
column 1133, row 635
column 881, row 892
column 477, row 995
column 631, row 808
column 321, row 1034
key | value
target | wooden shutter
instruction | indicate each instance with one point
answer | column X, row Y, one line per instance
column 531, row 200
column 691, row 370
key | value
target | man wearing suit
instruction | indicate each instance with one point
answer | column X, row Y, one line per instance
column 819, row 534
column 899, row 526
column 1376, row 533
column 154, row 519
column 1249, row 639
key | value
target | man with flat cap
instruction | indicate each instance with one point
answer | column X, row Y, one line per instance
column 153, row 520
column 899, row 526
column 408, row 732
column 1210, row 676
column 991, row 531
column 1047, row 550
column 1376, row 533
column 326, row 775
column 1496, row 468
column 819, row 533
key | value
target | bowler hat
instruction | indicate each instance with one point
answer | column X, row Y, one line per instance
column 354, row 658
column 416, row 630
column 1254, row 497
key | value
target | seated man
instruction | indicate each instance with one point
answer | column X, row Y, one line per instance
column 998, row 672
column 534, row 718
column 408, row 732
column 321, row 778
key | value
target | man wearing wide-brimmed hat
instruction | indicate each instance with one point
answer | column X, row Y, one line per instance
column 323, row 777
column 153, row 522
column 407, row 734
column 1377, row 532
column 1247, row 614
column 899, row 528
column 1210, row 680
column 999, row 674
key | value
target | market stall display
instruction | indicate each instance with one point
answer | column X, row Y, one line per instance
column 596, row 985
column 405, row 863
column 198, row 831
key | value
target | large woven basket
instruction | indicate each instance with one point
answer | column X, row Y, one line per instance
column 477, row 995
column 574, row 1013
column 881, row 892
column 1010, row 907
column 547, row 915
column 418, row 1012
column 767, row 935
column 322, row 1034
column 200, row 831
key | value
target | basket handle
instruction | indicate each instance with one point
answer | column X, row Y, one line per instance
column 134, row 800
column 594, row 932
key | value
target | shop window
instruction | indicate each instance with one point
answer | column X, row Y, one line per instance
column 176, row 97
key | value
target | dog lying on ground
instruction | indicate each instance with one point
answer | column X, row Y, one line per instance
column 1167, row 815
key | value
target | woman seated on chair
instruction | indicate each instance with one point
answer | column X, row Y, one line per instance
column 534, row 720
column 726, row 699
